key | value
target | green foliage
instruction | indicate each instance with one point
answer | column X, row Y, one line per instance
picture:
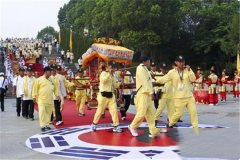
column 206, row 32
column 47, row 33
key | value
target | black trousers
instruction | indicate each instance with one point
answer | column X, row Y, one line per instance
column 57, row 105
column 127, row 99
column 28, row 108
column 156, row 100
column 2, row 100
column 19, row 105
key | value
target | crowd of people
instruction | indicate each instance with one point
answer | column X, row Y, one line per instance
column 160, row 87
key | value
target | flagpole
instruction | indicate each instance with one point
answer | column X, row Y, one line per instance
column 238, row 63
column 70, row 41
column 59, row 36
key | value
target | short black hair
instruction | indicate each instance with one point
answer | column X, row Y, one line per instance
column 179, row 58
column 144, row 57
column 45, row 69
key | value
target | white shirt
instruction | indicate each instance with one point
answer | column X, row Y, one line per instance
column 3, row 85
column 30, row 86
column 130, row 80
column 71, row 56
column 62, row 89
column 62, row 52
column 68, row 54
column 18, row 82
column 79, row 61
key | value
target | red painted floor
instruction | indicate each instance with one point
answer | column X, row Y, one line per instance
column 71, row 118
column 108, row 138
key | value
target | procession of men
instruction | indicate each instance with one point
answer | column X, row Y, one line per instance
column 170, row 87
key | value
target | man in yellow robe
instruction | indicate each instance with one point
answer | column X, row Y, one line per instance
column 81, row 92
column 106, row 98
column 166, row 98
column 144, row 100
column 181, row 79
column 42, row 93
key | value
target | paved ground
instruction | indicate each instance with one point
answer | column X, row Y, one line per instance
column 210, row 143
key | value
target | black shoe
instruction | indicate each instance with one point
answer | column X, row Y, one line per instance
column 32, row 119
column 156, row 123
column 43, row 129
column 103, row 115
column 18, row 114
column 25, row 117
column 180, row 120
column 48, row 128
column 167, row 126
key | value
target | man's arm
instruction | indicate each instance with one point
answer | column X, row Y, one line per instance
column 143, row 77
column 14, row 86
column 166, row 78
column 56, row 87
column 191, row 76
column 105, row 76
column 35, row 89
column 67, row 83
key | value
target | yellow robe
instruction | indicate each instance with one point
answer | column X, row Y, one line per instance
column 81, row 95
column 107, row 84
column 43, row 90
column 166, row 100
column 143, row 100
column 182, row 95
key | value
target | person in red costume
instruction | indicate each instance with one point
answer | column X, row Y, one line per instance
column 236, row 86
column 198, row 84
column 223, row 82
column 212, row 87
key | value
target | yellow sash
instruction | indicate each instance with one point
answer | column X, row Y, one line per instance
column 26, row 86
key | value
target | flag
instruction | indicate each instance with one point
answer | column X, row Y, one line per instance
column 238, row 62
column 52, row 39
column 59, row 36
column 70, row 41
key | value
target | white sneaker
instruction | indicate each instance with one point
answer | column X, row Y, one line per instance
column 117, row 130
column 133, row 131
column 81, row 114
column 123, row 118
column 210, row 104
column 59, row 123
column 151, row 136
column 163, row 130
column 94, row 127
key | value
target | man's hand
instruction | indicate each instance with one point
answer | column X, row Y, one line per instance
column 34, row 100
column 188, row 67
column 58, row 98
column 153, row 97
column 110, row 70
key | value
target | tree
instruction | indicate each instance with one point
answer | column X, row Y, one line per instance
column 214, row 30
column 47, row 33
column 204, row 31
